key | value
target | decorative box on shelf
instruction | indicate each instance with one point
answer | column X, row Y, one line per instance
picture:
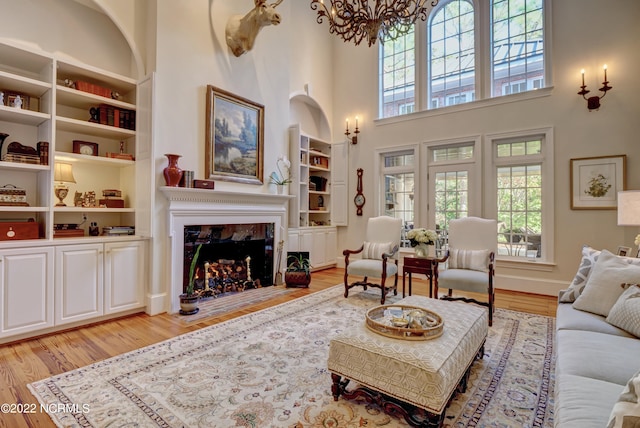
column 93, row 88
column 11, row 195
column 16, row 230
column 112, row 203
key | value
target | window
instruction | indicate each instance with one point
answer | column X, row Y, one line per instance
column 452, row 182
column 517, row 42
column 398, row 175
column 397, row 75
column 457, row 32
column 452, row 53
column 522, row 177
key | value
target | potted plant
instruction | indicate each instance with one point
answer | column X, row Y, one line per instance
column 298, row 273
column 189, row 299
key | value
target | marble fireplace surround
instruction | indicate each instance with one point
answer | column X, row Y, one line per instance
column 192, row 207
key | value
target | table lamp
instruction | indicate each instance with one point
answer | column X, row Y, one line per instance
column 629, row 209
column 62, row 174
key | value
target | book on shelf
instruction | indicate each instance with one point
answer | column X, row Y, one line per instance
column 20, row 158
column 118, row 230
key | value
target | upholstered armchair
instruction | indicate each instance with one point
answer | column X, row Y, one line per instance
column 473, row 244
column 379, row 256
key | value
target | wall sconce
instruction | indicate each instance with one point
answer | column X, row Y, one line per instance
column 593, row 103
column 354, row 139
column 62, row 173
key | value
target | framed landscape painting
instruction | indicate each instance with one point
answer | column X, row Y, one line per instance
column 235, row 138
column 596, row 181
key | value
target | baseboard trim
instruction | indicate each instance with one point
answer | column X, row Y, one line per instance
column 156, row 303
column 524, row 284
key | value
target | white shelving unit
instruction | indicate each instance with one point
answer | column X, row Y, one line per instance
column 82, row 278
column 311, row 226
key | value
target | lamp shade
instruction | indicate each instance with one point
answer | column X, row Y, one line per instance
column 629, row 208
column 63, row 173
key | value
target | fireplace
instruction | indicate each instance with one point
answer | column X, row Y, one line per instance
column 232, row 257
column 215, row 210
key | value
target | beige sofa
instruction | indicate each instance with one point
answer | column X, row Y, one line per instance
column 595, row 359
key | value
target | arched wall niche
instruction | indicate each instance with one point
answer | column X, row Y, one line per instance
column 306, row 111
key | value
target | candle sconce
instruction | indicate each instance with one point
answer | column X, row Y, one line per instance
column 593, row 102
column 354, row 139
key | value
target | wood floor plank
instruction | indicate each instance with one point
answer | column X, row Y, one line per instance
column 34, row 359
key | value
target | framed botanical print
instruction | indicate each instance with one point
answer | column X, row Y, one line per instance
column 235, row 138
column 596, row 181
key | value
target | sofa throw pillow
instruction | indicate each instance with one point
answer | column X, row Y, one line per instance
column 469, row 259
column 589, row 258
column 626, row 411
column 603, row 286
column 625, row 314
column 374, row 250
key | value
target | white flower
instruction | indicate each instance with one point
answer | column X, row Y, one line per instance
column 637, row 241
column 283, row 176
column 422, row 236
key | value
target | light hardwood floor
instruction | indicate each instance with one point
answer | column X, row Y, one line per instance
column 30, row 360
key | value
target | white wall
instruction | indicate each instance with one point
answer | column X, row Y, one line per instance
column 586, row 34
column 183, row 43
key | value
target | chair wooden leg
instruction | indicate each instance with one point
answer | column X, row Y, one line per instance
column 383, row 289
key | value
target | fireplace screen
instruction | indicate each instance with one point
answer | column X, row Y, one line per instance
column 233, row 257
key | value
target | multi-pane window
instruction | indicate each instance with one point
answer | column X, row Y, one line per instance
column 512, row 31
column 519, row 186
column 518, row 43
column 453, row 186
column 397, row 75
column 452, row 54
column 451, row 197
column 398, row 174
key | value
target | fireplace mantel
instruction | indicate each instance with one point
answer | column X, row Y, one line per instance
column 189, row 206
column 192, row 195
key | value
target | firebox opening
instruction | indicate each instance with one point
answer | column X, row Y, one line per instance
column 233, row 257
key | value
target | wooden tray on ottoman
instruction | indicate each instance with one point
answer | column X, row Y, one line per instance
column 387, row 320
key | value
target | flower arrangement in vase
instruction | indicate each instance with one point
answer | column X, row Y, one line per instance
column 421, row 238
column 282, row 177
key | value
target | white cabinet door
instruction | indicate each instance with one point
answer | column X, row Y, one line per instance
column 124, row 276
column 317, row 256
column 331, row 246
column 78, row 282
column 26, row 298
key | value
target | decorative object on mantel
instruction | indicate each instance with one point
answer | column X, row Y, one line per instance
column 283, row 176
column 422, row 239
column 593, row 103
column 241, row 31
column 204, row 184
column 353, row 20
column 235, row 138
column 172, row 172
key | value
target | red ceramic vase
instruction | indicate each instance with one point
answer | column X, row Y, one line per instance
column 172, row 173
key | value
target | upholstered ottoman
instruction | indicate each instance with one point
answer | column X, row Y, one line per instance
column 406, row 375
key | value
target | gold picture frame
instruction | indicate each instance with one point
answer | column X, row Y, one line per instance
column 596, row 181
column 235, row 138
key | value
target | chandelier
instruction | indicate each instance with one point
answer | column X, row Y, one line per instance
column 388, row 19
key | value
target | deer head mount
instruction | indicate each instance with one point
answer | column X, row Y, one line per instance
column 241, row 31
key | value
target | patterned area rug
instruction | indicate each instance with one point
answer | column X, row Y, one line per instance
column 268, row 369
column 233, row 301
